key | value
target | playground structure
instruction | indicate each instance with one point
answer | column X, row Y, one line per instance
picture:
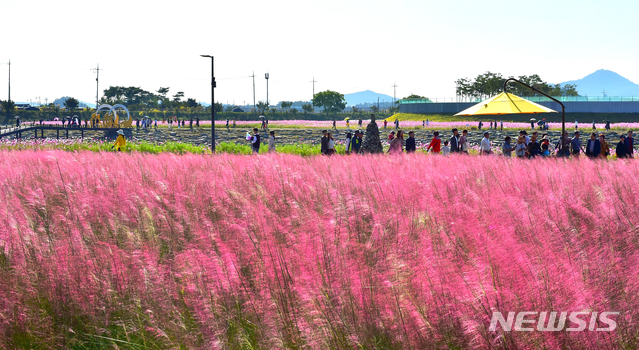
column 111, row 118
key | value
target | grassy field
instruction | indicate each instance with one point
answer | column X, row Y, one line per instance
column 104, row 250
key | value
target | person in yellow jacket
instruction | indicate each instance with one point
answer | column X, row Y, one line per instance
column 120, row 142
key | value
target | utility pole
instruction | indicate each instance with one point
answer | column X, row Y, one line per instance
column 314, row 81
column 97, row 83
column 394, row 90
column 9, row 100
column 254, row 108
column 267, row 76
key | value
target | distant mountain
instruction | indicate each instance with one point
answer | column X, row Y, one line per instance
column 367, row 96
column 60, row 102
column 613, row 83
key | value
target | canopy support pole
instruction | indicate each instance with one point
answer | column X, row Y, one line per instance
column 563, row 108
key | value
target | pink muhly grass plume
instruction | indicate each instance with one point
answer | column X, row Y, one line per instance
column 280, row 251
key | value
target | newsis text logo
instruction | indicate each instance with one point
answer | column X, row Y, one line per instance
column 529, row 321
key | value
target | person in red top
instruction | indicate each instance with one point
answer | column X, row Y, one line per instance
column 435, row 143
column 391, row 136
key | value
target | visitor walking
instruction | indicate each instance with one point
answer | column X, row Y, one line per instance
column 575, row 144
column 435, row 143
column 534, row 148
column 605, row 147
column 520, row 148
column 331, row 145
column 463, row 142
column 454, row 142
column 445, row 149
column 563, row 146
column 271, row 142
column 385, row 122
column 397, row 145
column 485, row 144
column 621, row 147
column 593, row 146
column 507, row 149
column 255, row 141
column 630, row 145
column 396, row 124
column 410, row 142
column 359, row 123
column 324, row 143
column 347, row 143
column 120, row 142
column 356, row 142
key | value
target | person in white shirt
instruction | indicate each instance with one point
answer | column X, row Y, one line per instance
column 331, row 144
column 485, row 144
column 349, row 136
column 446, row 149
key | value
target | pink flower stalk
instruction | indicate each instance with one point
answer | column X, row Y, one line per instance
column 281, row 251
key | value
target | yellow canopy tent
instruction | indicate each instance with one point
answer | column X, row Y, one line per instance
column 505, row 103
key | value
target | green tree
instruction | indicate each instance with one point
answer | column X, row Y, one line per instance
column 286, row 104
column 413, row 96
column 331, row 101
column 374, row 109
column 191, row 103
column 219, row 108
column 71, row 103
column 8, row 106
column 262, row 107
column 307, row 108
column 177, row 98
column 569, row 90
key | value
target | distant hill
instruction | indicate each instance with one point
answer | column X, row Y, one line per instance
column 613, row 83
column 60, row 102
column 364, row 97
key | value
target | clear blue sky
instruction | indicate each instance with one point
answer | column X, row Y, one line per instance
column 347, row 45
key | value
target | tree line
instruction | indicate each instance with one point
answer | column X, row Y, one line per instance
column 490, row 84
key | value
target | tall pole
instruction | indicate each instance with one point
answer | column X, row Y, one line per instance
column 213, row 85
column 267, row 76
column 314, row 81
column 97, row 86
column 254, row 108
column 9, row 100
column 394, row 93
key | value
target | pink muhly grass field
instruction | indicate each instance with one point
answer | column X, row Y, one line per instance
column 230, row 252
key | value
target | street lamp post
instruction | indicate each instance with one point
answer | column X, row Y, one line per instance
column 266, row 76
column 213, row 85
